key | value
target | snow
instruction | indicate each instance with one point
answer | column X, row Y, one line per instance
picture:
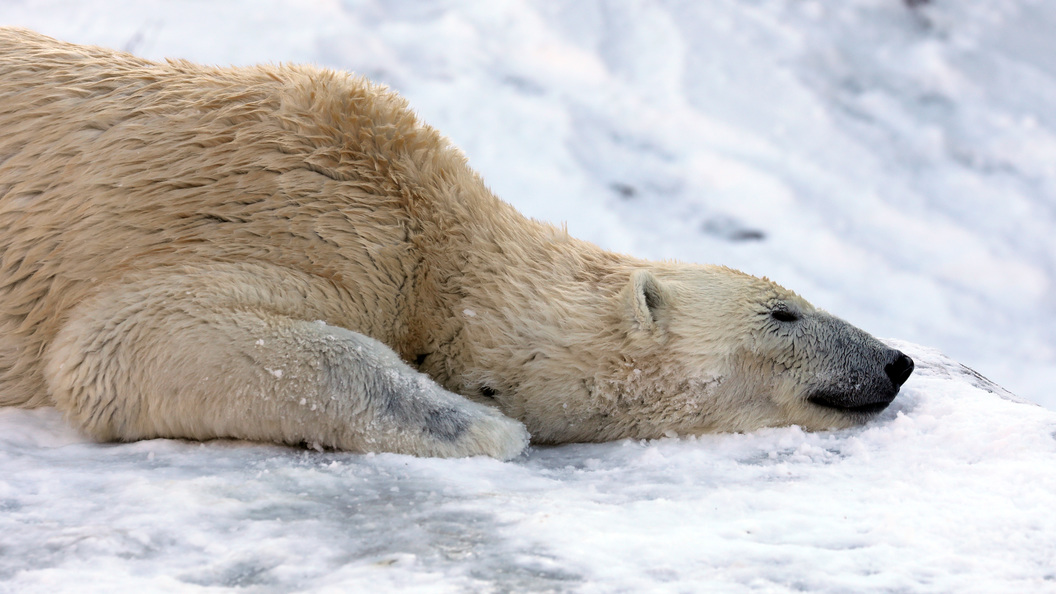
column 895, row 166
column 950, row 490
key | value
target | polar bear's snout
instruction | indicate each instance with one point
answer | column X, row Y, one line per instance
column 857, row 375
column 869, row 397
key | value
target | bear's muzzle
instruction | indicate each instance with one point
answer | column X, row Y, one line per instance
column 872, row 400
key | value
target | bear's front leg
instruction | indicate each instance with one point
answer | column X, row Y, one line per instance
column 177, row 357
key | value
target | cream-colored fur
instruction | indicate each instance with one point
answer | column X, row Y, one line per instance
column 287, row 254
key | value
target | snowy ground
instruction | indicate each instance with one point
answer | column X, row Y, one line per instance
column 950, row 490
column 895, row 166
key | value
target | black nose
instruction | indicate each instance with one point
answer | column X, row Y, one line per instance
column 899, row 369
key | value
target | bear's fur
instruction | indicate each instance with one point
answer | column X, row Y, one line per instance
column 287, row 254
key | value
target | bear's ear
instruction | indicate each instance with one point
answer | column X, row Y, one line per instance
column 646, row 299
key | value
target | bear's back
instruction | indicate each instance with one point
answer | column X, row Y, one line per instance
column 111, row 165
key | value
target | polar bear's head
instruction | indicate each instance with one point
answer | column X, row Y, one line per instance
column 688, row 350
column 762, row 355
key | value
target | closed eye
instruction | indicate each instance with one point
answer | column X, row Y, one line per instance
column 784, row 315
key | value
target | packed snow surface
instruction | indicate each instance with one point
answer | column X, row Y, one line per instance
column 894, row 164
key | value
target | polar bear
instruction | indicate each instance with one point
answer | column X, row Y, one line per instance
column 287, row 254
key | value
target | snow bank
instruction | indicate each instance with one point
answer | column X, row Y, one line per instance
column 950, row 490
